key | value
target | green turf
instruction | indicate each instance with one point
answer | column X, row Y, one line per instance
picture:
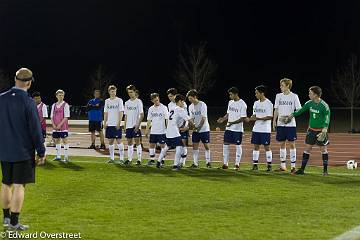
column 105, row 201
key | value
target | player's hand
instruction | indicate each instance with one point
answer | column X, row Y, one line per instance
column 184, row 129
column 229, row 124
column 147, row 134
column 137, row 126
column 246, row 120
column 40, row 160
column 220, row 120
column 252, row 118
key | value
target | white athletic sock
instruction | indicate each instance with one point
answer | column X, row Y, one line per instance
column 283, row 157
column 121, row 151
column 293, row 157
column 139, row 152
column 238, row 154
column 58, row 150
column 226, row 154
column 196, row 157
column 66, row 150
column 177, row 159
column 269, row 156
column 112, row 151
column 256, row 155
column 130, row 152
column 162, row 154
column 207, row 156
column 183, row 155
column 152, row 153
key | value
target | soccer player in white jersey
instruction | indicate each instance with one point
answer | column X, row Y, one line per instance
column 236, row 115
column 171, row 93
column 198, row 114
column 286, row 103
column 113, row 114
column 173, row 136
column 157, row 120
column 261, row 133
column 134, row 114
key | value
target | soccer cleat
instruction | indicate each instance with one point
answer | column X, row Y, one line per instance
column 111, row 161
column 208, row 165
column 92, row 146
column 280, row 169
column 102, row 147
column 138, row 163
column 127, row 163
column 269, row 168
column 66, row 160
column 175, row 168
column 255, row 167
column 18, row 227
column 224, row 166
column 293, row 170
column 158, row 164
column 57, row 159
column 237, row 167
column 325, row 173
column 194, row 166
column 300, row 172
column 151, row 162
column 6, row 222
column 162, row 162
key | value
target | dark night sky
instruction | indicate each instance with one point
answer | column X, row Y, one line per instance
column 254, row 42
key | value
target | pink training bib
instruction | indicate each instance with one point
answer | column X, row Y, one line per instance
column 58, row 116
column 42, row 119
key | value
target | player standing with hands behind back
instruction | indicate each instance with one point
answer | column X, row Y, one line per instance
column 318, row 127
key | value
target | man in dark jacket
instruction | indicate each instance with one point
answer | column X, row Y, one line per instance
column 21, row 137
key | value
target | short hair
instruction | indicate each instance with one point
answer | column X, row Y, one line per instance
column 287, row 82
column 137, row 92
column 36, row 94
column 172, row 91
column 131, row 87
column 97, row 90
column 317, row 90
column 233, row 90
column 261, row 89
column 24, row 75
column 192, row 93
column 154, row 95
column 59, row 91
column 112, row 87
column 179, row 97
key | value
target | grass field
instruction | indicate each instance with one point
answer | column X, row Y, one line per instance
column 103, row 201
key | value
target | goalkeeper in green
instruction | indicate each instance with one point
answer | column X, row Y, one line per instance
column 318, row 127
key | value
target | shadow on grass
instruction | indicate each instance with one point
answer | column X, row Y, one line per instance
column 71, row 165
column 48, row 166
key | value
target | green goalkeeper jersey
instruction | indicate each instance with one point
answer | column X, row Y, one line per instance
column 319, row 114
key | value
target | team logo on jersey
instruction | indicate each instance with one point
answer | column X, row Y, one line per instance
column 288, row 103
column 233, row 109
column 259, row 110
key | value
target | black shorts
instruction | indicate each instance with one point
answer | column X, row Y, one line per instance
column 18, row 172
column 311, row 138
column 95, row 126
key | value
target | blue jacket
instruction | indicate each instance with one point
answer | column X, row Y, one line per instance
column 20, row 127
column 95, row 113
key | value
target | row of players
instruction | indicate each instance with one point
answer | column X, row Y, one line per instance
column 169, row 126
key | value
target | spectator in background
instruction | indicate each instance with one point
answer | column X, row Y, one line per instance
column 95, row 108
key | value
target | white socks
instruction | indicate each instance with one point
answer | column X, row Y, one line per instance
column 152, row 153
column 256, row 155
column 283, row 158
column 196, row 157
column 177, row 159
column 66, row 150
column 162, row 154
column 130, row 152
column 183, row 155
column 207, row 156
column 121, row 151
column 226, row 154
column 269, row 157
column 139, row 152
column 112, row 152
column 238, row 154
column 293, row 157
column 58, row 149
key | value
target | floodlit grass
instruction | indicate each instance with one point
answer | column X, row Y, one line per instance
column 106, row 201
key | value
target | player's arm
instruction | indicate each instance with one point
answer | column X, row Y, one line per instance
column 276, row 115
column 138, row 124
column 125, row 120
column 223, row 119
column 52, row 118
column 327, row 120
column 148, row 126
column 106, row 116
column 36, row 133
column 118, row 125
column 301, row 110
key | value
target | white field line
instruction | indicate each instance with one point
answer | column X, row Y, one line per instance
column 352, row 234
